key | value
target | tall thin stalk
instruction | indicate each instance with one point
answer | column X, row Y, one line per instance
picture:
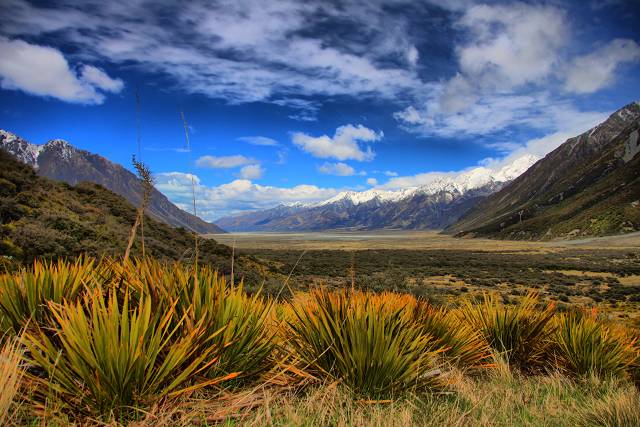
column 193, row 187
column 147, row 186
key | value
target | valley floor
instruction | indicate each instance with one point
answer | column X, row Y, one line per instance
column 602, row 272
column 401, row 239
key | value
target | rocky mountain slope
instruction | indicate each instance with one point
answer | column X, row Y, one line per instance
column 59, row 160
column 589, row 186
column 432, row 206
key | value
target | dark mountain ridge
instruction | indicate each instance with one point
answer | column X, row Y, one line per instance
column 588, row 186
column 59, row 160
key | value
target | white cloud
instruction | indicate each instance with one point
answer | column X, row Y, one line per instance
column 372, row 181
column 100, row 79
column 259, row 140
column 413, row 55
column 339, row 169
column 236, row 196
column 251, row 172
column 345, row 144
column 238, row 51
column 391, row 173
column 494, row 113
column 510, row 61
column 223, row 162
column 44, row 71
column 594, row 71
column 512, row 44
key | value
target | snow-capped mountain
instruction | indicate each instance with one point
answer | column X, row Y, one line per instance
column 588, row 186
column 59, row 160
column 437, row 203
column 453, row 183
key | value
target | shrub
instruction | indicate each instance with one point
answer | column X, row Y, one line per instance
column 107, row 357
column 24, row 295
column 245, row 340
column 519, row 333
column 586, row 346
column 456, row 340
column 372, row 346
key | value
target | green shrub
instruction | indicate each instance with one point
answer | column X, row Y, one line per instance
column 373, row 346
column 24, row 296
column 518, row 333
column 108, row 357
column 585, row 346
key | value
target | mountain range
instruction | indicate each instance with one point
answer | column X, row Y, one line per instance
column 59, row 160
column 432, row 206
column 588, row 186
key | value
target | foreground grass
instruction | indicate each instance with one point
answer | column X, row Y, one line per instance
column 149, row 343
column 496, row 399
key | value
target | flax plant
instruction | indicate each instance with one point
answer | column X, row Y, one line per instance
column 24, row 296
column 108, row 357
column 519, row 334
column 374, row 349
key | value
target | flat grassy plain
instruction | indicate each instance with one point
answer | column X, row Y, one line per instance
column 601, row 272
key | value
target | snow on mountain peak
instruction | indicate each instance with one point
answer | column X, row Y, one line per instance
column 454, row 183
column 63, row 147
column 25, row 152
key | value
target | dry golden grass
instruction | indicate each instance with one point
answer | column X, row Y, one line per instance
column 11, row 373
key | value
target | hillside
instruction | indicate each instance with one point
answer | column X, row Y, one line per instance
column 432, row 206
column 41, row 218
column 59, row 160
column 589, row 186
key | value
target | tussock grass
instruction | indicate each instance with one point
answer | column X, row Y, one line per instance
column 108, row 357
column 159, row 343
column 369, row 344
column 618, row 409
column 587, row 346
column 24, row 296
column 11, row 373
column 519, row 334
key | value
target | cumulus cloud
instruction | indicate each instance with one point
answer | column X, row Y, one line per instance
column 344, row 145
column 251, row 172
column 44, row 71
column 510, row 64
column 596, row 70
column 372, row 181
column 259, row 140
column 236, row 196
column 390, row 173
column 511, row 44
column 339, row 169
column 223, row 162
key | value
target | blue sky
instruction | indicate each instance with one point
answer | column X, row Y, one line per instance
column 294, row 101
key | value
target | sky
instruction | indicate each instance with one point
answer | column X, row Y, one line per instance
column 289, row 101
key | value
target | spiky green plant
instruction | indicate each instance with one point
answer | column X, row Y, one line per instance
column 208, row 300
column 458, row 342
column 107, row 357
column 373, row 348
column 519, row 334
column 24, row 296
column 586, row 346
column 11, row 373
